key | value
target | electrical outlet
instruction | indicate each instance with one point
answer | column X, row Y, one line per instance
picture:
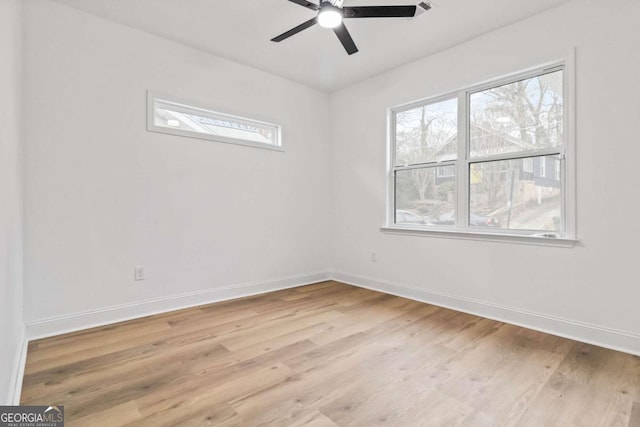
column 138, row 272
column 374, row 257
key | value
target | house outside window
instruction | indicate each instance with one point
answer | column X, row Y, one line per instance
column 476, row 160
column 167, row 115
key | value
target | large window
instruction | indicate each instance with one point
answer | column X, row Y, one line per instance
column 176, row 118
column 489, row 159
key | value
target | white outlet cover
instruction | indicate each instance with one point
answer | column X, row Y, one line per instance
column 139, row 272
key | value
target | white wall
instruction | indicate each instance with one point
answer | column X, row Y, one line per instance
column 11, row 324
column 590, row 291
column 103, row 195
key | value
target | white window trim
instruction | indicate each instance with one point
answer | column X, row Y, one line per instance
column 196, row 107
column 488, row 236
column 542, row 166
column 568, row 238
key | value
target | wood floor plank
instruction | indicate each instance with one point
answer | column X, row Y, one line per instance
column 327, row 355
column 575, row 395
column 80, row 349
column 634, row 419
column 285, row 404
column 198, row 381
column 314, row 419
column 87, row 377
column 275, row 329
column 118, row 415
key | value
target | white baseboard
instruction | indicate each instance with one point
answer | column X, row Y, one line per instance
column 88, row 319
column 19, row 363
column 579, row 331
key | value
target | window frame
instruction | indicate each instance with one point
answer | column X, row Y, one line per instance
column 527, row 166
column 192, row 107
column 542, row 166
column 566, row 153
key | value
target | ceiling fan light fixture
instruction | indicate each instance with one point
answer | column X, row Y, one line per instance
column 329, row 16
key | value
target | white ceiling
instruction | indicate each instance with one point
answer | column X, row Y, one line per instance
column 241, row 30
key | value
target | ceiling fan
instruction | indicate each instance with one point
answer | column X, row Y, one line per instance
column 332, row 12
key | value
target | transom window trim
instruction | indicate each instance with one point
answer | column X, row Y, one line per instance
column 564, row 164
column 184, row 118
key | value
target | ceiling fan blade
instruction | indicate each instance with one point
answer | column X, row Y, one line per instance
column 345, row 38
column 307, row 4
column 296, row 30
column 379, row 11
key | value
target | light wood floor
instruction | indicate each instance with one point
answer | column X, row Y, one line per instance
column 329, row 355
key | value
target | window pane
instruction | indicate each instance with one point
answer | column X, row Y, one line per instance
column 192, row 119
column 427, row 133
column 524, row 115
column 504, row 194
column 426, row 196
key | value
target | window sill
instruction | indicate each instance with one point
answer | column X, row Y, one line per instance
column 483, row 236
